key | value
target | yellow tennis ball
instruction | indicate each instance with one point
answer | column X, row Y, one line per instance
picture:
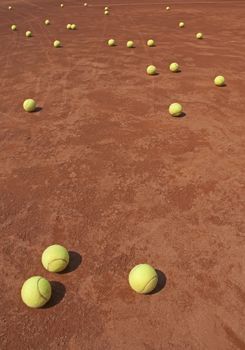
column 55, row 258
column 29, row 105
column 106, row 13
column 36, row 291
column 199, row 36
column 151, row 70
column 10, row 7
column 57, row 43
column 150, row 43
column 130, row 44
column 28, row 34
column 167, row 8
column 106, row 8
column 61, row 5
column 181, row 24
column 175, row 109
column 219, row 80
column 143, row 278
column 68, row 26
column 73, row 26
column 47, row 22
column 174, row 67
column 13, row 27
column 111, row 42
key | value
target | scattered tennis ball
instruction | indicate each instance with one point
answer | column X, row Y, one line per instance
column 57, row 43
column 106, row 13
column 73, row 26
column 28, row 34
column 174, row 67
column 106, row 8
column 68, row 26
column 167, row 8
column 47, row 22
column 10, row 7
column 143, row 278
column 85, row 4
column 175, row 109
column 199, row 36
column 36, row 291
column 181, row 24
column 151, row 70
column 55, row 258
column 150, row 43
column 61, row 5
column 130, row 44
column 111, row 42
column 29, row 105
column 13, row 27
column 219, row 80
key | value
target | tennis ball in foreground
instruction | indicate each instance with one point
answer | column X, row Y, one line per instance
column 73, row 26
column 36, row 291
column 150, row 43
column 55, row 258
column 143, row 278
column 175, row 109
column 47, row 22
column 181, row 24
column 130, row 44
column 106, row 13
column 57, row 43
column 151, row 70
column 28, row 34
column 13, row 27
column 174, row 67
column 111, row 42
column 199, row 36
column 219, row 80
column 68, row 26
column 29, row 105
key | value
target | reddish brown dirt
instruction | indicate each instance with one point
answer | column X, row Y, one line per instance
column 104, row 170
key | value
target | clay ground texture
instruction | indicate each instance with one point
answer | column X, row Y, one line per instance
column 104, row 170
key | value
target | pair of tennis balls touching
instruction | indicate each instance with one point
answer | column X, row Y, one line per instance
column 36, row 291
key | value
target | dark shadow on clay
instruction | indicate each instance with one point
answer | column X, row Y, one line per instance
column 180, row 116
column 75, row 261
column 58, row 293
column 37, row 109
column 162, row 280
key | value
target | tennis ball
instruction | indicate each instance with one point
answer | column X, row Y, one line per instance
column 47, row 22
column 219, row 80
column 106, row 13
column 36, row 291
column 61, row 5
column 73, row 26
column 167, row 8
column 175, row 109
column 143, row 278
column 151, row 70
column 130, row 44
column 55, row 258
column 111, row 42
column 29, row 105
column 13, row 27
column 174, row 67
column 106, row 8
column 150, row 43
column 57, row 43
column 28, row 34
column 85, row 4
column 199, row 36
column 10, row 8
column 181, row 24
column 68, row 26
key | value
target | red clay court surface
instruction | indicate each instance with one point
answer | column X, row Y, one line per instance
column 104, row 170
